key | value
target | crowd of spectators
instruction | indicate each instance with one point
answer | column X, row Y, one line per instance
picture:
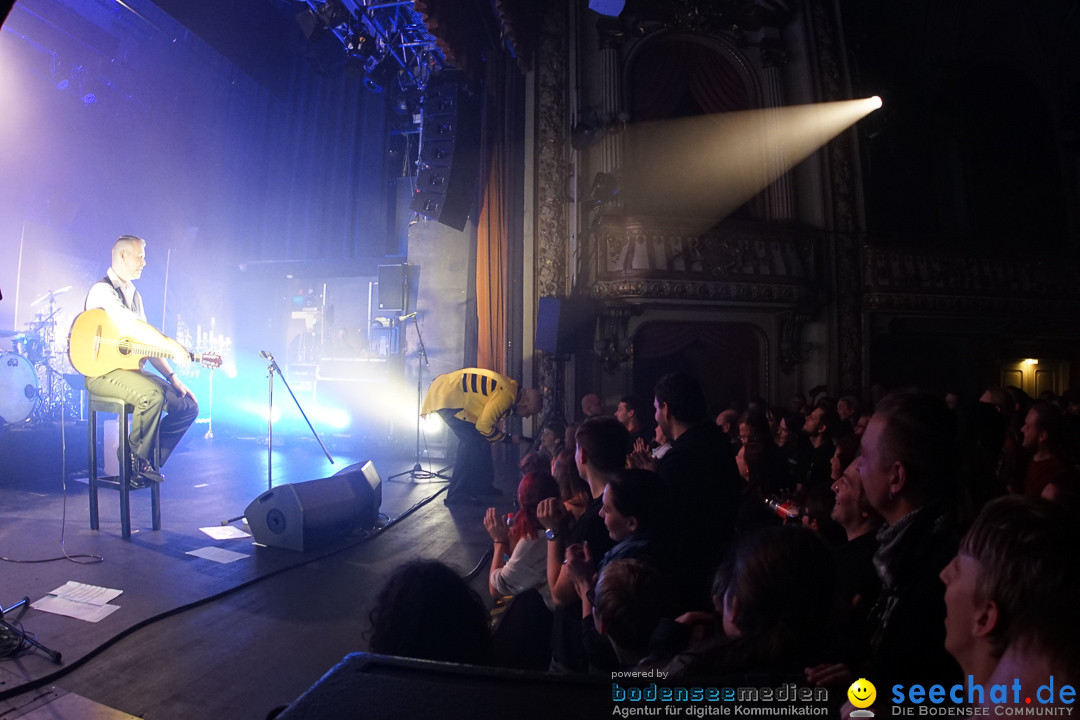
column 904, row 538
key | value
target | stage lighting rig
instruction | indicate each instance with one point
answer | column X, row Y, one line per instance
column 387, row 41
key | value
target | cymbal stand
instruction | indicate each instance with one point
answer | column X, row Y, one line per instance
column 52, row 382
column 23, row 635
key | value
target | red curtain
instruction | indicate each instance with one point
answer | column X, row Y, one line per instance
column 662, row 75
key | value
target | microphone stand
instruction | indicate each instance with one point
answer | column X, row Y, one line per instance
column 417, row 471
column 54, row 655
column 270, row 370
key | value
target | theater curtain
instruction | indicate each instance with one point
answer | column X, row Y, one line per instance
column 657, row 340
column 493, row 231
column 491, row 268
column 665, row 73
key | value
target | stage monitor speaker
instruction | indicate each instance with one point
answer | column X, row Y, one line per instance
column 301, row 516
column 450, row 155
column 397, row 290
column 392, row 289
column 379, row 687
column 564, row 325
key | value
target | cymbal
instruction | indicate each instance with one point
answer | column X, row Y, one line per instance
column 14, row 334
column 50, row 294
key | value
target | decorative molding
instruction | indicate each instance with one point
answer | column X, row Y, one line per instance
column 926, row 280
column 841, row 167
column 666, row 260
column 757, row 293
column 1002, row 306
column 552, row 147
column 552, row 175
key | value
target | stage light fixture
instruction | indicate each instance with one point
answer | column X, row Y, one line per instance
column 610, row 8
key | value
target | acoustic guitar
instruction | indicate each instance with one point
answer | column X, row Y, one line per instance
column 97, row 345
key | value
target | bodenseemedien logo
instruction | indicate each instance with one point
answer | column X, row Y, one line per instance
column 673, row 700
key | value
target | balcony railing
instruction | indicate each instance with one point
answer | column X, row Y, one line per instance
column 670, row 259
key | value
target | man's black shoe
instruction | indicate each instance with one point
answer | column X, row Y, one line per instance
column 146, row 471
column 140, row 472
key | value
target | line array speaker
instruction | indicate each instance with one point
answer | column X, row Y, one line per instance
column 449, row 154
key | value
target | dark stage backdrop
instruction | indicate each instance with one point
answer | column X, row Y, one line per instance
column 116, row 119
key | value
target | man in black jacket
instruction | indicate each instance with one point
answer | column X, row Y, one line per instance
column 703, row 484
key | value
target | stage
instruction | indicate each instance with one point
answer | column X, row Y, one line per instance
column 194, row 637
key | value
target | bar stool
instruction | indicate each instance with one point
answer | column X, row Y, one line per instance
column 116, row 406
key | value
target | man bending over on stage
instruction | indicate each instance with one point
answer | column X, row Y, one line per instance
column 473, row 402
column 147, row 392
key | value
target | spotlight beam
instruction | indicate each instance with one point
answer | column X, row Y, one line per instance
column 707, row 166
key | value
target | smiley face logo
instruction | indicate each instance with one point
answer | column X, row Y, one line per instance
column 862, row 693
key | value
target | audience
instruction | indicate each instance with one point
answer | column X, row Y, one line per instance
column 631, row 599
column 761, row 462
column 534, row 462
column 519, row 558
column 891, row 592
column 848, row 409
column 660, row 444
column 601, row 454
column 983, row 438
column 728, row 421
column 633, row 510
column 573, row 490
column 629, row 413
column 821, row 426
column 552, row 439
column 426, row 610
column 1016, row 562
column 817, row 507
column 1041, row 437
column 907, row 468
column 847, row 447
column 703, row 483
column 796, row 446
column 775, row 599
column 857, row 581
column 592, row 406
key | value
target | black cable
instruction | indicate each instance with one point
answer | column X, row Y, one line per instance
column 54, row 676
column 480, row 565
column 78, row 559
column 74, row 558
column 12, row 643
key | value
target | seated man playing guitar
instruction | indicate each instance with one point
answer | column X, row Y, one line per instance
column 124, row 376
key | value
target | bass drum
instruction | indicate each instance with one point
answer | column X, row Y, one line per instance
column 18, row 388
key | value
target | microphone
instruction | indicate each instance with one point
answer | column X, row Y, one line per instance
column 266, row 354
column 410, row 316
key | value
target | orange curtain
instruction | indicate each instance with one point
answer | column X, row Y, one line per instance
column 491, row 267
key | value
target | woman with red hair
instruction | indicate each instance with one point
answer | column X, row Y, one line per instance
column 519, row 561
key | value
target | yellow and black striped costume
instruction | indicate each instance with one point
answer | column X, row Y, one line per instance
column 481, row 397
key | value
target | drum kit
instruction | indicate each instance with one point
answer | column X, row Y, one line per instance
column 37, row 382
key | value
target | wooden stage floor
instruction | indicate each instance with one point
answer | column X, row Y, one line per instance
column 194, row 638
